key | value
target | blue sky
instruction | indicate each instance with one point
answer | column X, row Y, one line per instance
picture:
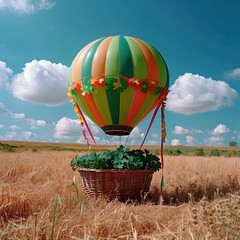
column 199, row 40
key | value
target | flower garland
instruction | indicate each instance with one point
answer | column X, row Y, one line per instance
column 117, row 83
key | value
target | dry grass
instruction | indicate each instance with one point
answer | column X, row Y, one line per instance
column 30, row 182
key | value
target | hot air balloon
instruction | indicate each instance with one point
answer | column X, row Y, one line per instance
column 117, row 81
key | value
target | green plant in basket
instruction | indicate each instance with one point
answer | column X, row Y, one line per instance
column 121, row 158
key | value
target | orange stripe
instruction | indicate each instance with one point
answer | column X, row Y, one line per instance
column 90, row 103
column 76, row 77
column 76, row 72
column 99, row 60
column 146, row 113
column 152, row 66
column 138, row 99
column 150, row 109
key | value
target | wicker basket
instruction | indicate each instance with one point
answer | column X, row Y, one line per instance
column 114, row 183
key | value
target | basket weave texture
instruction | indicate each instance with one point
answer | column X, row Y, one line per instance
column 114, row 183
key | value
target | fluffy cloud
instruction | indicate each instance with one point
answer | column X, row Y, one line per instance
column 25, row 6
column 67, row 128
column 5, row 74
column 42, row 82
column 220, row 129
column 190, row 140
column 136, row 134
column 36, row 123
column 181, row 131
column 215, row 141
column 192, row 94
column 14, row 127
column 176, row 142
column 1, row 126
column 234, row 74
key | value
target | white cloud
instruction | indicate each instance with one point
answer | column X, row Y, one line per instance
column 176, row 142
column 234, row 74
column 192, row 94
column 42, row 82
column 36, row 123
column 18, row 115
column 1, row 126
column 5, row 74
column 23, row 136
column 215, row 141
column 181, row 131
column 25, row 6
column 197, row 131
column 136, row 134
column 27, row 135
column 220, row 129
column 14, row 127
column 67, row 128
column 190, row 140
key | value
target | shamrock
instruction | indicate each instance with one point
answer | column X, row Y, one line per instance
column 87, row 86
column 144, row 87
column 157, row 91
column 109, row 82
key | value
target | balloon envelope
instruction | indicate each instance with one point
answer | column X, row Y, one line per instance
column 117, row 81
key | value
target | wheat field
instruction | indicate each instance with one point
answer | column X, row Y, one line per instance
column 200, row 200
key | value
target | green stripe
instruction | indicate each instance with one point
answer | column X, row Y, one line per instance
column 151, row 97
column 111, row 69
column 125, row 58
column 101, row 101
column 139, row 67
column 162, row 67
column 86, row 68
column 83, row 107
column 112, row 58
column 125, row 69
column 114, row 103
column 126, row 98
column 138, row 60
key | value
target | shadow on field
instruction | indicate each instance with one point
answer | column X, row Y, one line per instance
column 194, row 192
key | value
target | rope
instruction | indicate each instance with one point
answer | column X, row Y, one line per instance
column 153, row 117
column 162, row 141
column 85, row 122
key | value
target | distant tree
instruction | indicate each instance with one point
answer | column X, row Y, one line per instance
column 232, row 144
column 214, row 152
column 199, row 152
